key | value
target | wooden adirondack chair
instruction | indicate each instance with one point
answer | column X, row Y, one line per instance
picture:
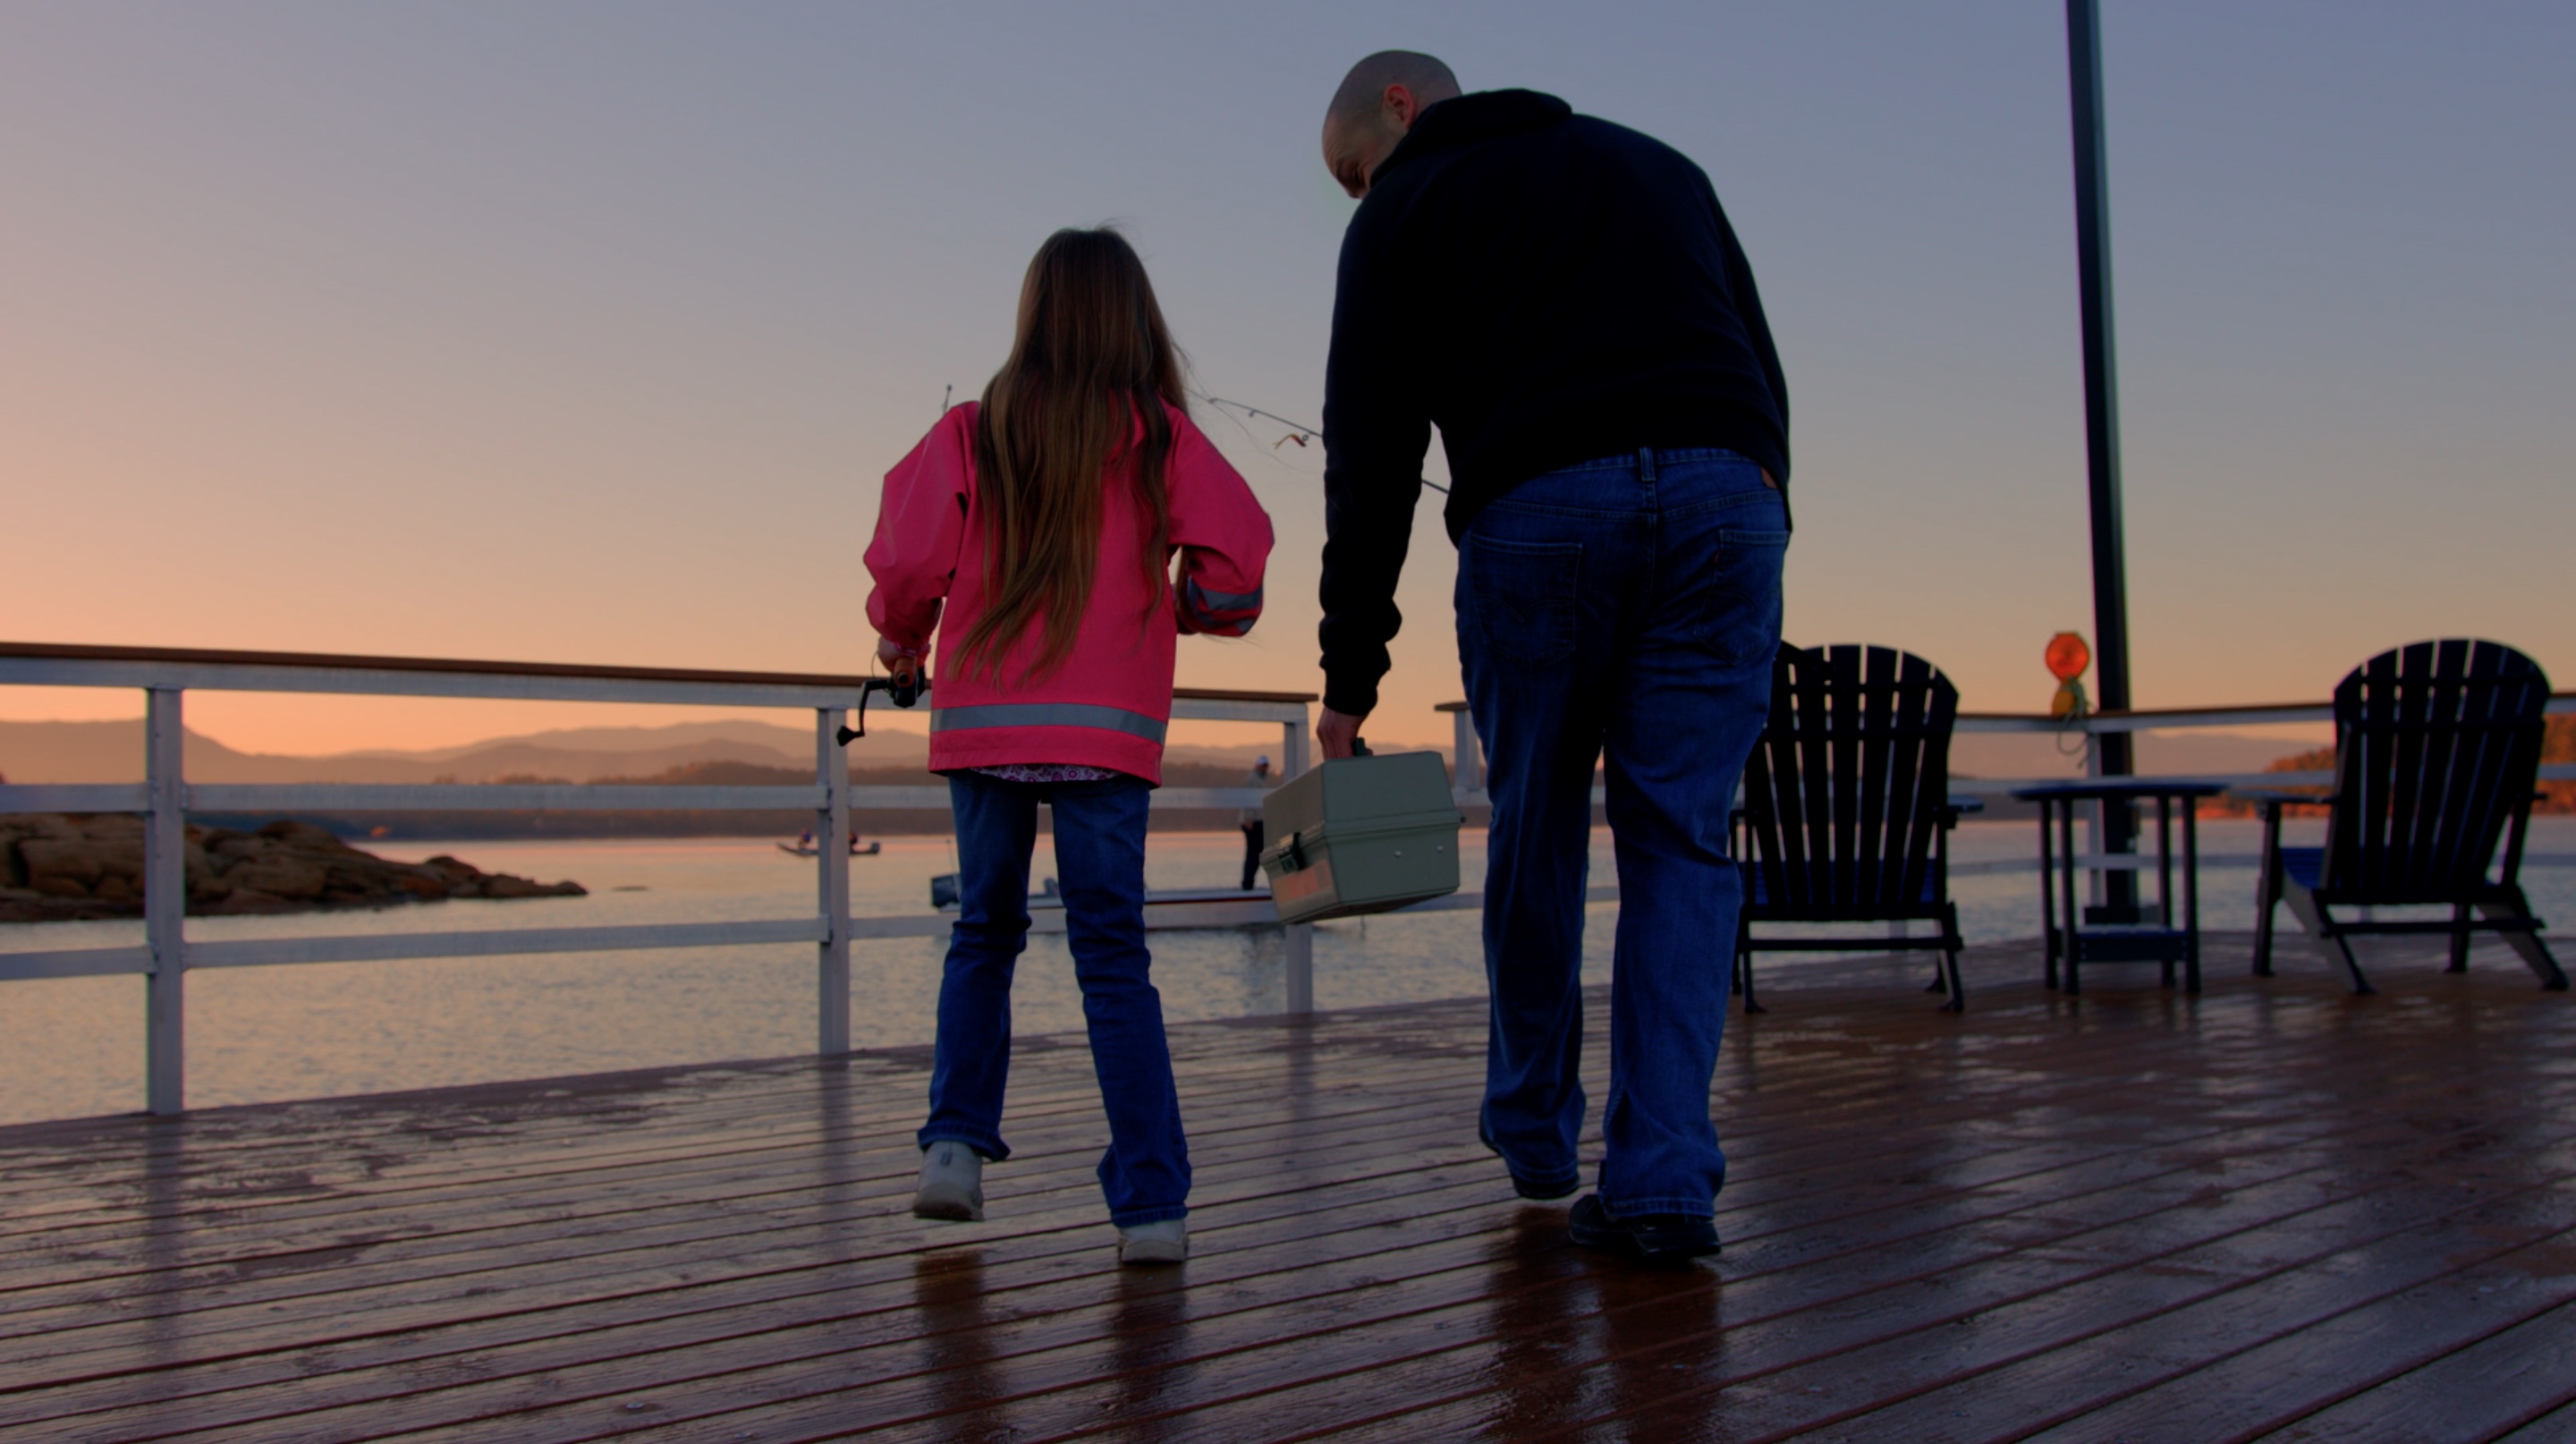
column 1847, row 813
column 2437, row 751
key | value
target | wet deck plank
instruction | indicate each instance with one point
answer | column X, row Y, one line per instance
column 2277, row 1210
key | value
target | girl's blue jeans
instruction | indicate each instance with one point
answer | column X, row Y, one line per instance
column 1624, row 610
column 1100, row 854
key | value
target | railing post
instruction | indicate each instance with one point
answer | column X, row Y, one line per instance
column 165, row 904
column 1297, row 957
column 1467, row 764
column 832, row 859
column 2095, row 842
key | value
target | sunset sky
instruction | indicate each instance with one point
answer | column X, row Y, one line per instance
column 584, row 332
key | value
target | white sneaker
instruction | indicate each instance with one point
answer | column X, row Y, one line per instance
column 952, row 1183
column 1164, row 1242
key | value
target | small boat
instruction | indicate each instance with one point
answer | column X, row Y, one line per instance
column 804, row 847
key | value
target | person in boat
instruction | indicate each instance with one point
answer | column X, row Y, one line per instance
column 1565, row 300
column 1250, row 820
column 1034, row 532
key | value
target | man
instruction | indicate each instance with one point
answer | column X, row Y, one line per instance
column 1565, row 300
column 1250, row 820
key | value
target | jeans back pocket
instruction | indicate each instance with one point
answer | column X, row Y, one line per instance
column 1738, row 617
column 1524, row 595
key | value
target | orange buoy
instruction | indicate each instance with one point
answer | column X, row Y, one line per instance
column 2067, row 658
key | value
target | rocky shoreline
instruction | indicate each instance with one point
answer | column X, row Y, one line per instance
column 58, row 867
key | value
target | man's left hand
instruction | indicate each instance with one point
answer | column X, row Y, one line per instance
column 1336, row 733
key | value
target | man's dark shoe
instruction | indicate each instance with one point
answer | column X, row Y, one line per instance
column 1668, row 1238
column 1543, row 1192
column 1528, row 1188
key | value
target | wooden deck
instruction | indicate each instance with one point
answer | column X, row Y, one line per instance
column 2278, row 1212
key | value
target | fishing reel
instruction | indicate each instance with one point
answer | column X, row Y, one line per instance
column 903, row 689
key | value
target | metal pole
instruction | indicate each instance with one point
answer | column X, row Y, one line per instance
column 1467, row 768
column 832, row 858
column 165, row 904
column 1297, row 956
column 2101, row 433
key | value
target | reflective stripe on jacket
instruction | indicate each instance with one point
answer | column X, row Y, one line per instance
column 1109, row 704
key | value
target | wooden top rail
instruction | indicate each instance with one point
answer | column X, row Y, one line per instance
column 202, row 657
column 1211, row 694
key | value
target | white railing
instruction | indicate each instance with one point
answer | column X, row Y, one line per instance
column 165, row 797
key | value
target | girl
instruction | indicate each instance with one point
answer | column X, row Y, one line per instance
column 1045, row 520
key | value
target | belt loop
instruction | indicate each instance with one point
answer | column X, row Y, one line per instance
column 1646, row 464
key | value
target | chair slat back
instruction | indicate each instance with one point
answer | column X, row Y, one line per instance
column 2437, row 750
column 1843, row 794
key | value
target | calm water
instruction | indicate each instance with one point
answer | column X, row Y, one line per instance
column 73, row 1047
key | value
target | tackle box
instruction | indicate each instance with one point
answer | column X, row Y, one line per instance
column 1361, row 835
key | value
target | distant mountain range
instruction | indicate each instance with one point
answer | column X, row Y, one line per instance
column 113, row 752
column 40, row 752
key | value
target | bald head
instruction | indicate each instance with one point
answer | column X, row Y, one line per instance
column 1375, row 106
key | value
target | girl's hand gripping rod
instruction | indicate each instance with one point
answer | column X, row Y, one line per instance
column 903, row 688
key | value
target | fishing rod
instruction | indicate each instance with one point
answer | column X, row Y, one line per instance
column 1298, row 431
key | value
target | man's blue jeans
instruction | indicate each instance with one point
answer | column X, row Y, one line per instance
column 1627, row 607
column 1100, row 850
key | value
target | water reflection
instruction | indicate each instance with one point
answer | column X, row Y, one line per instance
column 1149, row 1330
column 1542, row 1322
column 1661, row 1335
column 956, row 1343
column 838, row 1175
column 1581, row 1339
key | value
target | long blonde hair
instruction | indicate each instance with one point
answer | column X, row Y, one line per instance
column 1092, row 359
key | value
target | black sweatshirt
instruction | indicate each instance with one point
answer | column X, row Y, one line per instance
column 1547, row 288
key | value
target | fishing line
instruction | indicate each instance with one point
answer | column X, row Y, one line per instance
column 1237, row 423
column 1298, row 432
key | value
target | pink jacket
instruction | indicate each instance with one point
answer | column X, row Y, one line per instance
column 1109, row 704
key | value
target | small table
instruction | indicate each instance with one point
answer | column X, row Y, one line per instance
column 2159, row 942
